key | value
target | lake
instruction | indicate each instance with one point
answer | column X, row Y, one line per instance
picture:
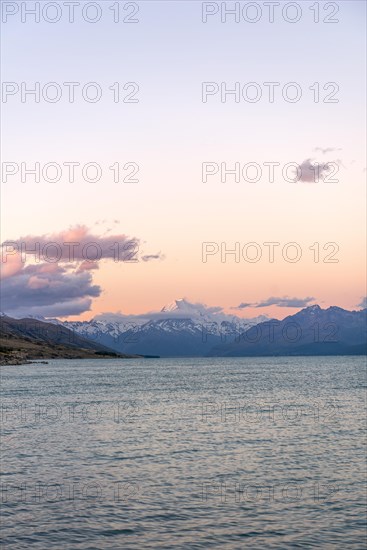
column 184, row 453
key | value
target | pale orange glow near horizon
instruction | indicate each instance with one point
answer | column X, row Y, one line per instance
column 170, row 209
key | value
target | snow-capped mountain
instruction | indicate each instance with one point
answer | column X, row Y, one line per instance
column 180, row 328
column 176, row 305
column 184, row 329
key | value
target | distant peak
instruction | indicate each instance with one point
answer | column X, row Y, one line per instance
column 175, row 305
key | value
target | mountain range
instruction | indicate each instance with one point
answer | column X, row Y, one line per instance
column 179, row 329
column 184, row 329
column 311, row 331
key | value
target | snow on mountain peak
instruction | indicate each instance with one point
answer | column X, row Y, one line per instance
column 173, row 306
column 180, row 305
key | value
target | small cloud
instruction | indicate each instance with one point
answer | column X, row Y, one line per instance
column 326, row 150
column 363, row 303
column 87, row 266
column 285, row 301
column 311, row 171
column 149, row 257
column 243, row 305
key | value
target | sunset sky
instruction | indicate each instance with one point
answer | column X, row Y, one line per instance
column 170, row 212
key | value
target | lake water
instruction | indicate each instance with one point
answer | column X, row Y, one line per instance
column 184, row 453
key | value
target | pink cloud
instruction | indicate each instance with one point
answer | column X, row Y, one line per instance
column 77, row 244
column 52, row 275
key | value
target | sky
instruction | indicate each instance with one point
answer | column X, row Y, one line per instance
column 167, row 213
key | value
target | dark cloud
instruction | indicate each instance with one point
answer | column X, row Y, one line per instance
column 286, row 302
column 78, row 244
column 51, row 275
column 363, row 303
column 48, row 290
column 280, row 302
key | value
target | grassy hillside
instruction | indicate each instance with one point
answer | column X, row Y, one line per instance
column 23, row 340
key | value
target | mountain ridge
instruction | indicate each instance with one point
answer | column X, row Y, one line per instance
column 30, row 339
column 311, row 331
column 183, row 329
